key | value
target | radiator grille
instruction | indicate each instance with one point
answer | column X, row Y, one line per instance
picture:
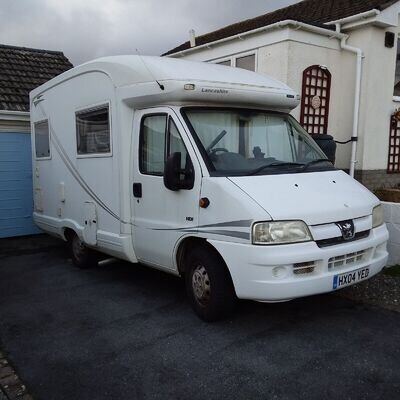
column 347, row 259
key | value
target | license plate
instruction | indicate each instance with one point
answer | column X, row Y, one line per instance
column 349, row 278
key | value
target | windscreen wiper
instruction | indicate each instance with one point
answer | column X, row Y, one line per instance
column 314, row 162
column 275, row 165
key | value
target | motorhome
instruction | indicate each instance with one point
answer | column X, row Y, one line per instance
column 199, row 170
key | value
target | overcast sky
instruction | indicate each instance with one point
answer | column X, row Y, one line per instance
column 86, row 29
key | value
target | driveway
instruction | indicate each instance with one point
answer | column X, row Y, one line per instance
column 123, row 331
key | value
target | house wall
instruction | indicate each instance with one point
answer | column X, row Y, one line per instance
column 285, row 53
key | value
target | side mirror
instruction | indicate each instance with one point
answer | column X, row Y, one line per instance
column 176, row 178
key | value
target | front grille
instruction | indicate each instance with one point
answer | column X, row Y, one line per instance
column 304, row 268
column 339, row 240
column 347, row 259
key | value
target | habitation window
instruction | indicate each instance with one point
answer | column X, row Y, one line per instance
column 247, row 62
column 93, row 131
column 152, row 147
column 42, row 139
column 397, row 78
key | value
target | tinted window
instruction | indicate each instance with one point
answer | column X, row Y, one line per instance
column 42, row 141
column 93, row 131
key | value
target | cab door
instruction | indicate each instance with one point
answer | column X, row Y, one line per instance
column 161, row 216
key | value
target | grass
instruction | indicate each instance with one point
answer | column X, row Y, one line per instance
column 393, row 271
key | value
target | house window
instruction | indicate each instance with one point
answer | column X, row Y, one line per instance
column 42, row 139
column 227, row 63
column 247, row 62
column 397, row 77
column 93, row 131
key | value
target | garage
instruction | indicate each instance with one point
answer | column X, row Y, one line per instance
column 16, row 185
column 21, row 70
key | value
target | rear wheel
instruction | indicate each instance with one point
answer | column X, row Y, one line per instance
column 209, row 285
column 82, row 256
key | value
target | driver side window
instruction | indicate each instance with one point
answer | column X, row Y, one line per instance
column 159, row 138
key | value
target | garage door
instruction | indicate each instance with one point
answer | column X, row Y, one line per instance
column 16, row 202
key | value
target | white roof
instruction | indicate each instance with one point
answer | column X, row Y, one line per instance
column 129, row 70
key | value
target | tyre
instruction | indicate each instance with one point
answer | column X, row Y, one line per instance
column 82, row 257
column 209, row 285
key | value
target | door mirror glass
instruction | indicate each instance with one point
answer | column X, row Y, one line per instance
column 178, row 172
column 176, row 177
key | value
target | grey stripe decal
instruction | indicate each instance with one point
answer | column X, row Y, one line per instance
column 241, row 223
column 240, row 235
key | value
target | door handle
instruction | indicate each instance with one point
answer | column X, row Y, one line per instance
column 137, row 189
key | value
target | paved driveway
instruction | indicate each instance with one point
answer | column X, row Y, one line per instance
column 126, row 332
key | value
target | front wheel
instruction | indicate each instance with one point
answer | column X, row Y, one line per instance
column 82, row 256
column 209, row 285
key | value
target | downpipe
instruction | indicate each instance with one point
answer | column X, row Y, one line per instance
column 357, row 97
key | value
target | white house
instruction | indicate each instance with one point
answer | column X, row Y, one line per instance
column 343, row 57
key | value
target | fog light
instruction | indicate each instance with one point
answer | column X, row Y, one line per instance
column 279, row 272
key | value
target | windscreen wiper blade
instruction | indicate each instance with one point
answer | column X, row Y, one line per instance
column 275, row 165
column 314, row 162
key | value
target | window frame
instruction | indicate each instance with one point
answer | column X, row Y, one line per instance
column 88, row 108
column 34, row 139
column 234, row 57
column 141, row 140
column 396, row 99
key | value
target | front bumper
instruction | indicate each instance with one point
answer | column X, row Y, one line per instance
column 255, row 276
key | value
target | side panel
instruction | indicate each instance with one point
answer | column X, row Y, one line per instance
column 69, row 183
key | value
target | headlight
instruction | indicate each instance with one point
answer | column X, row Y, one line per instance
column 281, row 232
column 377, row 216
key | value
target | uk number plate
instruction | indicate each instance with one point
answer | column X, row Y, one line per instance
column 349, row 278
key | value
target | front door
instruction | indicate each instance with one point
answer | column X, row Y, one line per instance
column 159, row 214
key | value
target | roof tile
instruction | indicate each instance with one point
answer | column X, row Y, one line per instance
column 313, row 12
column 22, row 70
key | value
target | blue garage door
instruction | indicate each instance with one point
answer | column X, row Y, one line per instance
column 16, row 203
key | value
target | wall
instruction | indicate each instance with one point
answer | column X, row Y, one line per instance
column 342, row 67
column 285, row 53
column 376, row 97
column 392, row 219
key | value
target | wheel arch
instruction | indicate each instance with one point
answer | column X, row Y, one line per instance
column 188, row 243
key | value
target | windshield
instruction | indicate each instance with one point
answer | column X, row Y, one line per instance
column 238, row 142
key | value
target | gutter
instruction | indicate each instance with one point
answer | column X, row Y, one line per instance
column 278, row 25
column 6, row 115
column 357, row 17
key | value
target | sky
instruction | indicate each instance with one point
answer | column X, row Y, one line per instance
column 87, row 29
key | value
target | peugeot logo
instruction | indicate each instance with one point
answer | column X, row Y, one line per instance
column 347, row 229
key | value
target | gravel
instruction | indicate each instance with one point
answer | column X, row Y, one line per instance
column 382, row 290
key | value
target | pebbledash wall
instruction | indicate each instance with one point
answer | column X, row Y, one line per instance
column 286, row 52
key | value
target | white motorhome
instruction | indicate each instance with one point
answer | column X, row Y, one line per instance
column 198, row 170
